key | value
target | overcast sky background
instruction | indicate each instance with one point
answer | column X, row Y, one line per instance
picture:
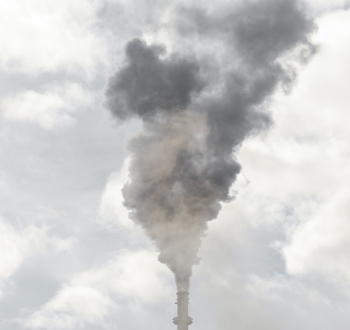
column 276, row 258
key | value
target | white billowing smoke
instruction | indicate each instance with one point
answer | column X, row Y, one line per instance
column 183, row 162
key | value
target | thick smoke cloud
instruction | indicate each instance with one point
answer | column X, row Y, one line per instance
column 148, row 84
column 195, row 115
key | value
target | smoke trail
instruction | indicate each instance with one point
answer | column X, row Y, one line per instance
column 195, row 115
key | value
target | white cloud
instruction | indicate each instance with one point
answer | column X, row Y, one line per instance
column 111, row 209
column 18, row 244
column 45, row 35
column 12, row 247
column 327, row 5
column 281, row 290
column 88, row 296
column 322, row 244
column 72, row 308
column 49, row 109
column 135, row 274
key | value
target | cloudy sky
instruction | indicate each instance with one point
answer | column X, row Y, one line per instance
column 277, row 256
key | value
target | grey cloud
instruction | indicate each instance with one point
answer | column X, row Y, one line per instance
column 256, row 36
column 148, row 83
column 261, row 31
column 183, row 161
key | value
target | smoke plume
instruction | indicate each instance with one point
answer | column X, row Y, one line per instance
column 197, row 108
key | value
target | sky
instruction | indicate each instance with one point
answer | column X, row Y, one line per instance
column 275, row 258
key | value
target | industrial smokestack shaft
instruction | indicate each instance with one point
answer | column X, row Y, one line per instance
column 182, row 320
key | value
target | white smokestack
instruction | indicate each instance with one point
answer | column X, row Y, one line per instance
column 182, row 320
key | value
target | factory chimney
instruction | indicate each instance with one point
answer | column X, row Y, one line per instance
column 182, row 320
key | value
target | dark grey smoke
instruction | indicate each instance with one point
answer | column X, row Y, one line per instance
column 196, row 112
column 147, row 84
